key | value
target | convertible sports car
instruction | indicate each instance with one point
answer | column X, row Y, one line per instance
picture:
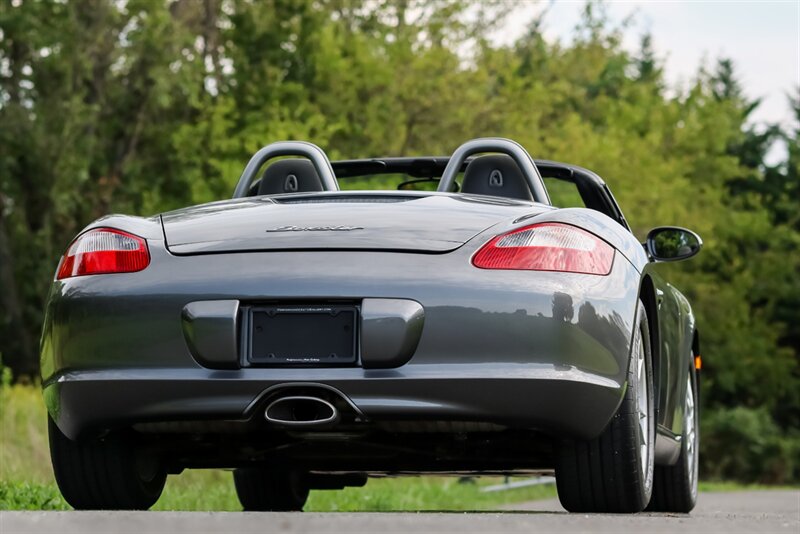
column 310, row 337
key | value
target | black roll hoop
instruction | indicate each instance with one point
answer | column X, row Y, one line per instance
column 499, row 145
column 304, row 149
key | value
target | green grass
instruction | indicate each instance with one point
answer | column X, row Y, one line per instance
column 722, row 487
column 213, row 490
column 30, row 496
column 188, row 492
column 24, row 453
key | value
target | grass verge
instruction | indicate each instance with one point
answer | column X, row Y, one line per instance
column 213, row 490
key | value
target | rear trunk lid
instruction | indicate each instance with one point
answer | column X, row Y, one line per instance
column 432, row 223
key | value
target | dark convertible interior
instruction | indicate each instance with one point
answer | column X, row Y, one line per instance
column 495, row 175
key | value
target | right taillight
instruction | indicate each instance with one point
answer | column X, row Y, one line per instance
column 547, row 247
column 104, row 251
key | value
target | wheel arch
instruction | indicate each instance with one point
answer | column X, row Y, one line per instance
column 647, row 294
column 697, row 368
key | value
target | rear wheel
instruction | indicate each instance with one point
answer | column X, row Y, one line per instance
column 614, row 471
column 675, row 487
column 263, row 489
column 104, row 474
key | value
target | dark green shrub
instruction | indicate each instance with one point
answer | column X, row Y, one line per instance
column 745, row 444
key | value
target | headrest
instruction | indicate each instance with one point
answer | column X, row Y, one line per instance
column 296, row 175
column 497, row 176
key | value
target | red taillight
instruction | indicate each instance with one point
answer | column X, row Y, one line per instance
column 547, row 247
column 104, row 251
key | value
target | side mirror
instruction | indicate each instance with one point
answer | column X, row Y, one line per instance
column 671, row 243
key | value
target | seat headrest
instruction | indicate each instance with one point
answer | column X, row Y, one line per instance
column 289, row 176
column 497, row 176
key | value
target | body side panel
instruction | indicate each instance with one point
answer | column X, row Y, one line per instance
column 676, row 330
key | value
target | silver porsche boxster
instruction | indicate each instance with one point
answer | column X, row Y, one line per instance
column 312, row 332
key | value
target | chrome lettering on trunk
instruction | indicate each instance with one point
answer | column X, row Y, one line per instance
column 314, row 228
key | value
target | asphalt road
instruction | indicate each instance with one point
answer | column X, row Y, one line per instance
column 763, row 511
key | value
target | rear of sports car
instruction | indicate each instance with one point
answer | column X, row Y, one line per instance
column 314, row 340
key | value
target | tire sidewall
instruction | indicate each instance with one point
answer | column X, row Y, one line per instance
column 102, row 474
column 691, row 463
column 642, row 338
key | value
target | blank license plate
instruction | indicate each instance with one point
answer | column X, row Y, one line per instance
column 303, row 335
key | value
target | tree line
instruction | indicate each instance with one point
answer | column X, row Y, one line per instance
column 144, row 106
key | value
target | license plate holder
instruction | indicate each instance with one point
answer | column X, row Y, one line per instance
column 301, row 335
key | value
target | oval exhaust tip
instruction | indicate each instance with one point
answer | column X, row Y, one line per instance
column 301, row 411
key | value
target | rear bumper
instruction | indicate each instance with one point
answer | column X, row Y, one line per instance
column 537, row 350
column 558, row 401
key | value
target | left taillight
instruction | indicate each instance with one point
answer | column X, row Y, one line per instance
column 547, row 247
column 104, row 251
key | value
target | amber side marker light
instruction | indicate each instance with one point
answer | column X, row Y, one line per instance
column 698, row 362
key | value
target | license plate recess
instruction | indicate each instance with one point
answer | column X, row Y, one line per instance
column 303, row 335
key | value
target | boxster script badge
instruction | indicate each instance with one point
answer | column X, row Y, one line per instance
column 314, row 228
